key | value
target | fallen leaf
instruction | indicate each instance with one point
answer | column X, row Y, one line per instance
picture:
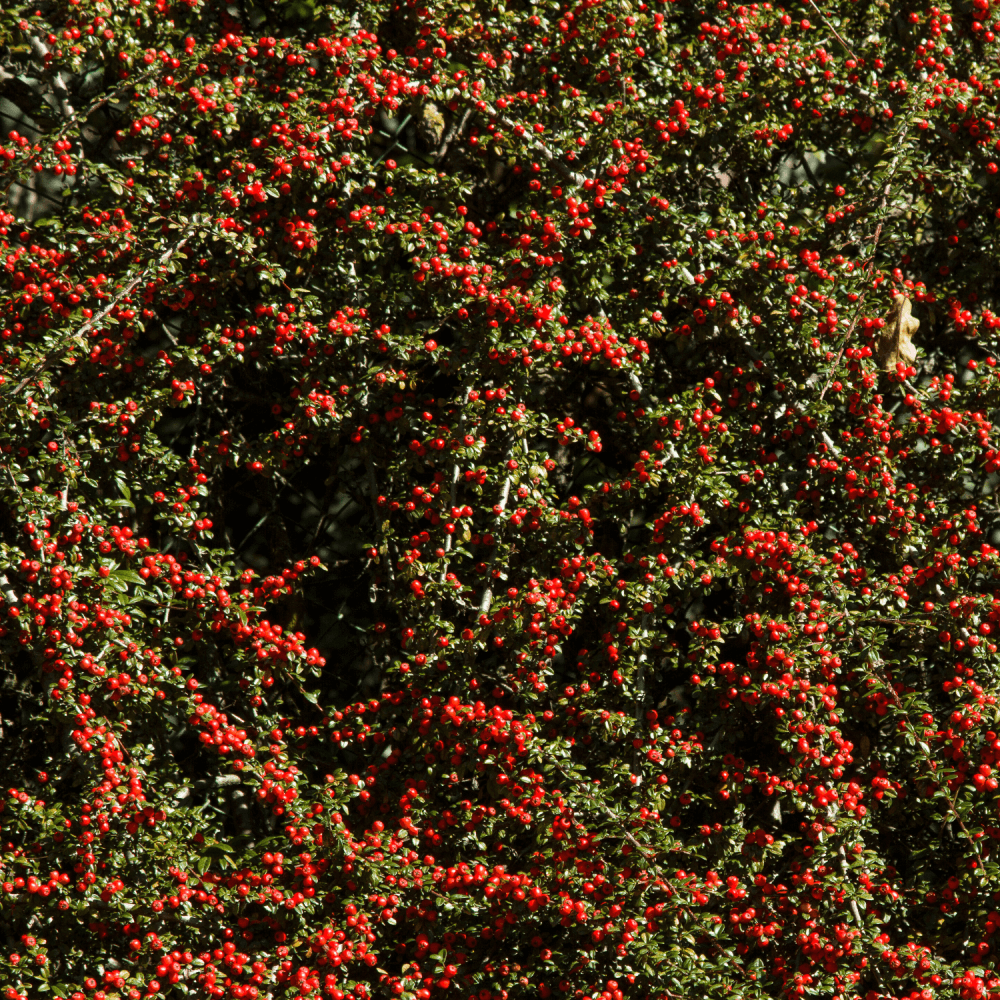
column 894, row 344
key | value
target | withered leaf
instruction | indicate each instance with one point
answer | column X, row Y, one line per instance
column 430, row 124
column 894, row 343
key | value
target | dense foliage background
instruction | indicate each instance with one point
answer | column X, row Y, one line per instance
column 498, row 500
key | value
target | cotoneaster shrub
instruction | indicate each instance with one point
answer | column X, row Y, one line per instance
column 479, row 517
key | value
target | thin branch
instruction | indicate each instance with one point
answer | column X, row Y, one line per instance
column 878, row 233
column 487, row 598
column 85, row 114
column 455, row 472
column 836, row 33
column 93, row 321
column 570, row 175
column 457, row 127
column 852, row 903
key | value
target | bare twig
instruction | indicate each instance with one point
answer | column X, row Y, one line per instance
column 7, row 590
column 457, row 127
column 487, row 598
column 836, row 33
column 852, row 903
column 455, row 472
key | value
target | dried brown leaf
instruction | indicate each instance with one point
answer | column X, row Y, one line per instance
column 894, row 344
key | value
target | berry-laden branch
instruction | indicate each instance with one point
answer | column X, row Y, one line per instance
column 95, row 320
column 614, row 507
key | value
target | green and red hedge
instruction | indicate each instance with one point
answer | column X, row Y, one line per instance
column 472, row 522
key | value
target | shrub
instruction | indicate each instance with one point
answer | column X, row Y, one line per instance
column 497, row 500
